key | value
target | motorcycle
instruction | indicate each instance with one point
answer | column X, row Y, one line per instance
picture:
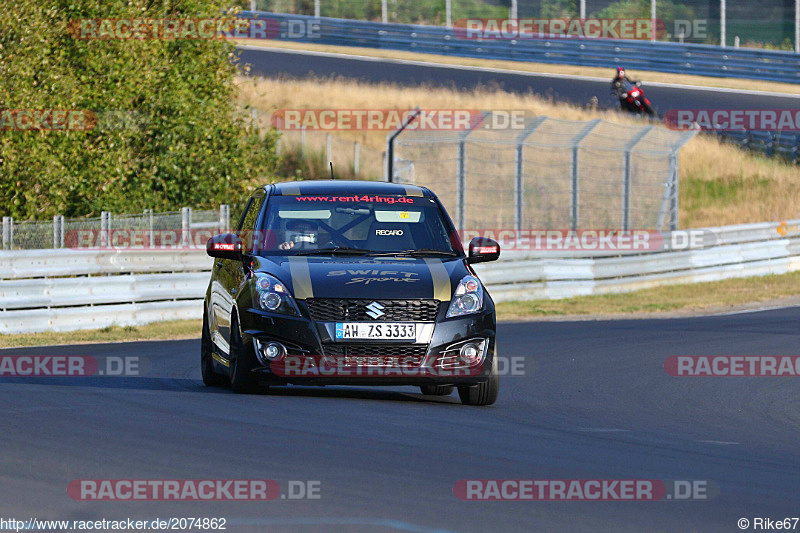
column 634, row 101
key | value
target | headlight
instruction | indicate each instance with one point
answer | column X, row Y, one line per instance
column 273, row 296
column 468, row 298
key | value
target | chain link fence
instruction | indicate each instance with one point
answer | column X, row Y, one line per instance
column 546, row 174
column 767, row 24
column 186, row 227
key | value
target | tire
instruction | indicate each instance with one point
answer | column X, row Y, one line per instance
column 484, row 393
column 211, row 378
column 437, row 390
column 243, row 381
column 649, row 109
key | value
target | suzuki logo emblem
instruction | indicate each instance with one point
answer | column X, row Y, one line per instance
column 375, row 310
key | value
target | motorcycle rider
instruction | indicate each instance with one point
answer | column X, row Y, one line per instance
column 618, row 87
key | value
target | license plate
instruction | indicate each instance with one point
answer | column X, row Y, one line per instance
column 384, row 331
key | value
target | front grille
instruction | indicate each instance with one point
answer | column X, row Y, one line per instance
column 333, row 309
column 396, row 350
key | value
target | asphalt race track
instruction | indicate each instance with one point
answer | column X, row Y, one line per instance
column 561, row 88
column 594, row 403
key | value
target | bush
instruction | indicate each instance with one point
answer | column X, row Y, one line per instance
column 184, row 144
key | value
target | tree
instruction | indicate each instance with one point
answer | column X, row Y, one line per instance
column 167, row 131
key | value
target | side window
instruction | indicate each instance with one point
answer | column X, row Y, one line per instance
column 248, row 224
column 244, row 214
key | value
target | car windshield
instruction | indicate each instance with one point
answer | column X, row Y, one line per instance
column 354, row 225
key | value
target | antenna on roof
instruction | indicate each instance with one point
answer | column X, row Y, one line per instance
column 332, row 176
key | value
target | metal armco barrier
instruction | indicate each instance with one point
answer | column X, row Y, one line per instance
column 699, row 59
column 62, row 290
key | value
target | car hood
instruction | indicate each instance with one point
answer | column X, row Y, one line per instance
column 360, row 277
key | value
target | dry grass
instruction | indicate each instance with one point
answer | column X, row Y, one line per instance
column 169, row 330
column 720, row 184
column 525, row 66
column 717, row 296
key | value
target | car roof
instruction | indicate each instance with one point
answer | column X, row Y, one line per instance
column 346, row 187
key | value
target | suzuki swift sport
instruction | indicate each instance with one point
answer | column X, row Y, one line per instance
column 349, row 283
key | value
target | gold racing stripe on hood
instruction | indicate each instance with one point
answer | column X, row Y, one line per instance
column 441, row 280
column 413, row 191
column 301, row 278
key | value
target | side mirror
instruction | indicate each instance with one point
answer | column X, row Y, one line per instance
column 483, row 249
column 224, row 246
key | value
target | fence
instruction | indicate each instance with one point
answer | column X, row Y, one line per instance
column 697, row 59
column 697, row 21
column 60, row 290
column 546, row 174
column 151, row 229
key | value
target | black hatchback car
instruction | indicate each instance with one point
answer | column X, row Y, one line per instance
column 349, row 283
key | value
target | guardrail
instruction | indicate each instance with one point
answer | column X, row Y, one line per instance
column 699, row 59
column 61, row 290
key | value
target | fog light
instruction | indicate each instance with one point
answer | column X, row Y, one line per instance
column 269, row 351
column 471, row 352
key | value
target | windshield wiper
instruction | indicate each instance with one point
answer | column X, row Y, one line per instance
column 335, row 250
column 418, row 252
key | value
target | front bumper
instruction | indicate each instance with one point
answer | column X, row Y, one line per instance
column 314, row 357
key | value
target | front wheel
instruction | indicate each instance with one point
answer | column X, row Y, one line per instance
column 211, row 378
column 484, row 393
column 649, row 109
column 243, row 381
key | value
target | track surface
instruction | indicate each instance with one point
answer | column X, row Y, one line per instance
column 594, row 402
column 577, row 91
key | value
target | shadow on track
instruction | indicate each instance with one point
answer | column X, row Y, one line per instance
column 196, row 386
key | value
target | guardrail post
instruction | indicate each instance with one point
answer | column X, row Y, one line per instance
column 8, row 233
column 356, row 157
column 105, row 229
column 148, row 219
column 626, row 178
column 448, row 12
column 58, row 231
column 519, row 186
column 186, row 225
column 224, row 218
column 576, row 144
